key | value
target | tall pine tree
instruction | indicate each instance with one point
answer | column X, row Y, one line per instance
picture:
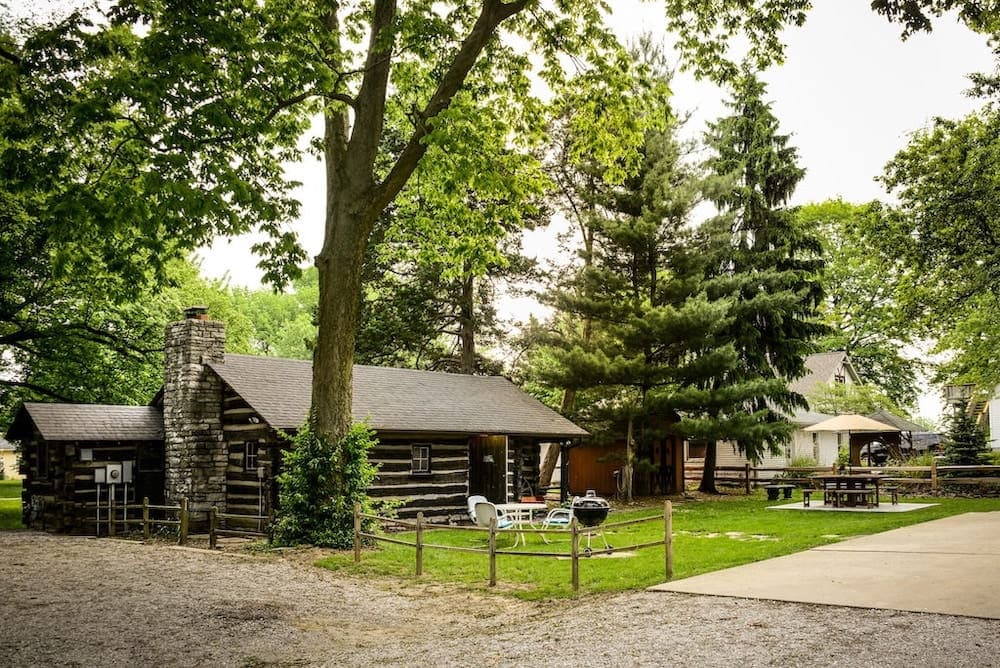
column 640, row 297
column 768, row 266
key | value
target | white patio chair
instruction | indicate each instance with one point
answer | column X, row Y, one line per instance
column 473, row 500
column 484, row 511
column 558, row 518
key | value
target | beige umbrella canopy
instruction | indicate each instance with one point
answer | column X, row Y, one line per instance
column 851, row 422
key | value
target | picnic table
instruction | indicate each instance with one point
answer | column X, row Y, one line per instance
column 848, row 490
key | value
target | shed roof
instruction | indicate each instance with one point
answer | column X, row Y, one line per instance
column 5, row 444
column 397, row 400
column 902, row 424
column 88, row 422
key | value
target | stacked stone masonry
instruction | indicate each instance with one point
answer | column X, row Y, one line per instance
column 196, row 455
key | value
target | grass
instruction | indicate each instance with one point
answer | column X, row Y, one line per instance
column 10, row 504
column 708, row 536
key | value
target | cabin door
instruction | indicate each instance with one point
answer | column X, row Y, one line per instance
column 488, row 467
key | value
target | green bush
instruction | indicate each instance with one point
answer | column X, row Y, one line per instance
column 843, row 457
column 803, row 462
column 319, row 485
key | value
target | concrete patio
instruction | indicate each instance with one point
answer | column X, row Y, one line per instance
column 945, row 566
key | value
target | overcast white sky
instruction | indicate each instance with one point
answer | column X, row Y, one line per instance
column 850, row 94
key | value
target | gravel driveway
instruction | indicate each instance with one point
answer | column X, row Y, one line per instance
column 81, row 601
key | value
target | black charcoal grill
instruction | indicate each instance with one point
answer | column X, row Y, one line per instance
column 591, row 511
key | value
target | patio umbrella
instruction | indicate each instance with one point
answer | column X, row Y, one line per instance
column 851, row 422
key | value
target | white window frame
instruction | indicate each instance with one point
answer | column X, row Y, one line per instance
column 420, row 459
column 250, row 456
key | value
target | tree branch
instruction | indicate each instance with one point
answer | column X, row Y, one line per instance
column 369, row 121
column 36, row 388
column 493, row 14
column 10, row 56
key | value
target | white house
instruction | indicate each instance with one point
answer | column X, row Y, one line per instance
column 822, row 447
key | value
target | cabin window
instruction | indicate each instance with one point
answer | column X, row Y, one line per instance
column 150, row 457
column 420, row 459
column 250, row 457
column 816, row 446
column 43, row 461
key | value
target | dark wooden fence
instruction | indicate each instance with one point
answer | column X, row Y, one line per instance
column 420, row 527
column 935, row 476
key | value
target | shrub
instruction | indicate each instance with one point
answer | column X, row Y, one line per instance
column 965, row 442
column 319, row 485
column 843, row 457
column 803, row 461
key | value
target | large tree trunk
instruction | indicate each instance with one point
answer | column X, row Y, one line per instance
column 339, row 266
column 354, row 199
column 707, row 485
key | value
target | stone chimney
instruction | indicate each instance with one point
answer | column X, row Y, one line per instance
column 196, row 456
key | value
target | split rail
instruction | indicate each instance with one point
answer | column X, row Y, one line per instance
column 937, row 477
column 575, row 530
column 142, row 515
column 217, row 521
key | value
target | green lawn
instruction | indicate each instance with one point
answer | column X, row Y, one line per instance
column 10, row 504
column 708, row 536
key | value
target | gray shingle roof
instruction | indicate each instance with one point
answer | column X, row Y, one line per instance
column 397, row 400
column 5, row 444
column 821, row 368
column 899, row 423
column 88, row 422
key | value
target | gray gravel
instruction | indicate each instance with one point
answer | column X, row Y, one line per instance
column 81, row 601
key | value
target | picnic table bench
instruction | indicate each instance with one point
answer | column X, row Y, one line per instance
column 773, row 489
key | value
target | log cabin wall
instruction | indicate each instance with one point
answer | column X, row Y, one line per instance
column 59, row 492
column 254, row 451
column 441, row 492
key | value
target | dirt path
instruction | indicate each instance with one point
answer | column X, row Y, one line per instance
column 80, row 601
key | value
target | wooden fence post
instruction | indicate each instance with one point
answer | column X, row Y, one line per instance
column 357, row 533
column 575, row 553
column 182, row 534
column 213, row 524
column 420, row 543
column 934, row 476
column 668, row 538
column 145, row 518
column 493, row 551
column 746, row 475
column 111, row 513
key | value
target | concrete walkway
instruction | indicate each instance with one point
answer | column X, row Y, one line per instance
column 947, row 566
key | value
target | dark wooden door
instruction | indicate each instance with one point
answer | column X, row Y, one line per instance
column 488, row 467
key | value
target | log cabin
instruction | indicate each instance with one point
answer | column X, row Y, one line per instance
column 215, row 432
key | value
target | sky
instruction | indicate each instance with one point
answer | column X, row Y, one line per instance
column 850, row 93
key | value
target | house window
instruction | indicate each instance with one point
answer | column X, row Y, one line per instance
column 250, row 457
column 816, row 447
column 420, row 459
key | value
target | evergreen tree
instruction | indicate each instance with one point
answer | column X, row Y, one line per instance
column 637, row 295
column 965, row 442
column 767, row 264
